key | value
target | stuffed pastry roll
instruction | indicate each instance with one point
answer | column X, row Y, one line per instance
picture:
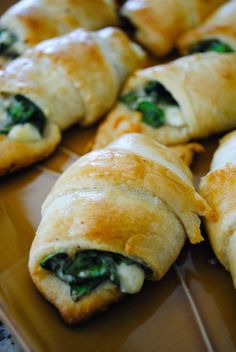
column 157, row 24
column 217, row 34
column 192, row 97
column 31, row 21
column 70, row 79
column 218, row 187
column 115, row 217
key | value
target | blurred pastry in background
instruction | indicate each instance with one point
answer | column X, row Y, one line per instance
column 156, row 24
column 217, row 34
column 218, row 187
column 190, row 98
column 29, row 22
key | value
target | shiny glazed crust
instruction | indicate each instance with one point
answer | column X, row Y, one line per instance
column 159, row 22
column 134, row 197
column 34, row 21
column 218, row 187
column 204, row 85
column 221, row 25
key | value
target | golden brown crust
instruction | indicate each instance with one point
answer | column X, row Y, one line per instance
column 17, row 155
column 88, row 68
column 186, row 152
column 183, row 78
column 221, row 25
column 218, row 187
column 72, row 312
column 121, row 121
column 134, row 198
column 159, row 22
column 36, row 22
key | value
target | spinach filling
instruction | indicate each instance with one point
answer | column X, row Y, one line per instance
column 150, row 101
column 7, row 44
column 211, row 45
column 86, row 269
column 21, row 110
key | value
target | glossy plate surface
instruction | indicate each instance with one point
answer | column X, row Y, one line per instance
column 191, row 309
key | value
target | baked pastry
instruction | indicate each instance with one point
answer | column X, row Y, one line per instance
column 192, row 97
column 71, row 79
column 115, row 217
column 187, row 151
column 156, row 24
column 218, row 33
column 218, row 187
column 31, row 21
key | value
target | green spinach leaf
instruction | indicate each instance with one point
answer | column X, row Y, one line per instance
column 146, row 101
column 211, row 45
column 151, row 114
column 55, row 263
column 77, row 291
column 7, row 39
column 22, row 110
column 85, row 270
column 130, row 100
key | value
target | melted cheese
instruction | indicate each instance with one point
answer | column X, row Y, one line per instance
column 24, row 133
column 174, row 116
column 131, row 278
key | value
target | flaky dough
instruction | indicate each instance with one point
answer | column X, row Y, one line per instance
column 204, row 86
column 218, row 187
column 221, row 26
column 74, row 78
column 160, row 22
column 36, row 20
column 134, row 197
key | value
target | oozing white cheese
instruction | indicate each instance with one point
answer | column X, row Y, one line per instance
column 24, row 133
column 174, row 116
column 131, row 278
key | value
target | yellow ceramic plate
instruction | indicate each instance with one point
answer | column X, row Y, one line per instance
column 191, row 309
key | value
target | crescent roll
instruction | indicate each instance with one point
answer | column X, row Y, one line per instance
column 192, row 97
column 218, row 187
column 218, row 33
column 115, row 217
column 156, row 24
column 71, row 79
column 31, row 21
